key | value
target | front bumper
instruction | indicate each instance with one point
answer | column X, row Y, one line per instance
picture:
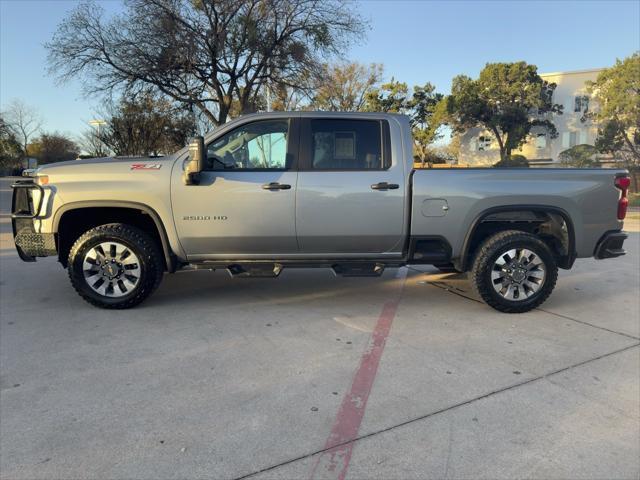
column 29, row 243
column 610, row 245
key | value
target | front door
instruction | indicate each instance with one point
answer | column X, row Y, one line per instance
column 244, row 205
column 351, row 192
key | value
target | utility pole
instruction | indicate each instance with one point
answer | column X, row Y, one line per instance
column 268, row 97
column 268, row 90
column 97, row 123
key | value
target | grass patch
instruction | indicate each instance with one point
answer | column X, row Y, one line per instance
column 634, row 199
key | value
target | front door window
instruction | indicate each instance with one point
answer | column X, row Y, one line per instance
column 254, row 146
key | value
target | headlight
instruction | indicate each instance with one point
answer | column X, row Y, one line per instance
column 42, row 179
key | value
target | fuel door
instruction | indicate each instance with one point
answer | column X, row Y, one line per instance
column 435, row 207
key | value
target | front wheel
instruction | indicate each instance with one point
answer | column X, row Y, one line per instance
column 514, row 271
column 115, row 266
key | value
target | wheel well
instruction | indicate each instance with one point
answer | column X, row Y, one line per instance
column 552, row 227
column 75, row 222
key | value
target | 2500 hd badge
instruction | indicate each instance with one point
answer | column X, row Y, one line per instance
column 204, row 217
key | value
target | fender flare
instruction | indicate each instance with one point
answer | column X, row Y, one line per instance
column 464, row 253
column 169, row 255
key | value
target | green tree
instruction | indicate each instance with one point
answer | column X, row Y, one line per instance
column 344, row 87
column 420, row 106
column 617, row 91
column 423, row 105
column 146, row 125
column 390, row 97
column 514, row 161
column 579, row 156
column 204, row 54
column 507, row 99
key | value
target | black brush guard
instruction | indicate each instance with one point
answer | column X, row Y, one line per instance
column 29, row 243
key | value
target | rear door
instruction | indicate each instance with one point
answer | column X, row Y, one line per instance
column 351, row 192
column 244, row 205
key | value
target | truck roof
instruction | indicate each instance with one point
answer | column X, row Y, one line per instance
column 319, row 114
column 300, row 114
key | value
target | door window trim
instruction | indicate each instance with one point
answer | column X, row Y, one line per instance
column 292, row 146
column 306, row 146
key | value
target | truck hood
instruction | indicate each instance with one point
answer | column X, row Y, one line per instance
column 106, row 166
column 108, row 160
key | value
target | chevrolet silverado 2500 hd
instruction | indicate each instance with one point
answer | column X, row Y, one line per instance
column 338, row 190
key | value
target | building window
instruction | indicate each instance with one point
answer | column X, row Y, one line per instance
column 569, row 139
column 573, row 139
column 583, row 137
column 484, row 143
column 581, row 104
column 541, row 140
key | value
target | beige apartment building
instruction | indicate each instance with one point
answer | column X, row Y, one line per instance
column 478, row 147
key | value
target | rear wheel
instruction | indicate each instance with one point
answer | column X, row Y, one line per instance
column 115, row 266
column 514, row 271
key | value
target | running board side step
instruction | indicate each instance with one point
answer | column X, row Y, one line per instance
column 358, row 269
column 255, row 270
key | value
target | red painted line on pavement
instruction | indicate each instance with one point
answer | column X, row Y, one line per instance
column 334, row 461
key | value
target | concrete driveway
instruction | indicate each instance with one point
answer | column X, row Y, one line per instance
column 311, row 376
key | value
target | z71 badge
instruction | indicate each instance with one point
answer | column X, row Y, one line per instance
column 146, row 166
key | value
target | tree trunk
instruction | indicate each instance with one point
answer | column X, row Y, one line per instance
column 503, row 148
column 633, row 169
column 222, row 116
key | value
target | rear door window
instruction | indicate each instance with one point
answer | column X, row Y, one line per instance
column 346, row 145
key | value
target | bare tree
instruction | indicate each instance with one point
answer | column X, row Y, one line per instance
column 54, row 147
column 145, row 125
column 344, row 87
column 212, row 55
column 24, row 121
column 92, row 145
column 10, row 149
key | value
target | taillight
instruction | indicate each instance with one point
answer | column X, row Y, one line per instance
column 623, row 184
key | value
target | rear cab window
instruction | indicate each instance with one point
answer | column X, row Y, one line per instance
column 345, row 144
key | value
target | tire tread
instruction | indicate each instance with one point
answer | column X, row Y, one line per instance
column 500, row 241
column 147, row 246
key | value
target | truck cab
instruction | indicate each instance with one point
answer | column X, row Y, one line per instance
column 295, row 187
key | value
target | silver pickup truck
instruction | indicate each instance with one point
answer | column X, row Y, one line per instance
column 306, row 189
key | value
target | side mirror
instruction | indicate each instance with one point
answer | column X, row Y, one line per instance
column 196, row 161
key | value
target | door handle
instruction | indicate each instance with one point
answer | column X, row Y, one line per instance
column 276, row 186
column 385, row 186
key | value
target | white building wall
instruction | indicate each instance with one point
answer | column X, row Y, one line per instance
column 573, row 128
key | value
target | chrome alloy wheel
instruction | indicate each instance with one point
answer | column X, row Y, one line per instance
column 517, row 274
column 111, row 269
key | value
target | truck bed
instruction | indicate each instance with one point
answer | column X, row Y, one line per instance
column 448, row 202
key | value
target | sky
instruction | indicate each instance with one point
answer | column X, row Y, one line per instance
column 417, row 41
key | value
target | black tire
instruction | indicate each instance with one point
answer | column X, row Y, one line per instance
column 446, row 268
column 140, row 243
column 490, row 251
